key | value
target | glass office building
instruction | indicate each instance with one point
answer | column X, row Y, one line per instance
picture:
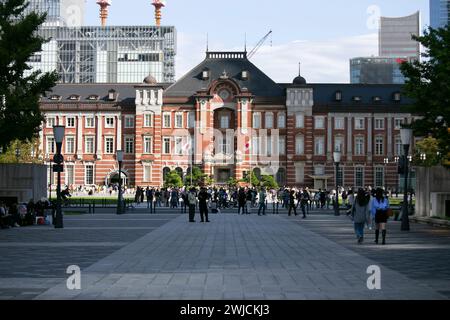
column 377, row 70
column 440, row 13
column 112, row 54
column 60, row 12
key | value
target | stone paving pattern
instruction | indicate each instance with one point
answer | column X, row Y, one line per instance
column 162, row 256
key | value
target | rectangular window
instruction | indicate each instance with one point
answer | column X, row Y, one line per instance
column 178, row 120
column 359, row 123
column 281, row 120
column 147, row 173
column 148, row 120
column 299, row 145
column 129, row 121
column 379, row 146
column 269, row 120
column 109, row 145
column 269, row 146
column 398, row 124
column 224, row 122
column 282, row 146
column 179, row 146
column 70, row 145
column 255, row 145
column 379, row 177
column 51, row 145
column 300, row 174
column 166, row 145
column 359, row 146
column 70, row 122
column 50, row 122
column 148, row 145
column 89, row 122
column 129, row 145
column 339, row 144
column 89, row 174
column 70, row 174
column 319, row 146
column 319, row 170
column 299, row 120
column 319, row 122
column 191, row 119
column 340, row 177
column 257, row 120
column 167, row 120
column 379, row 124
column 359, row 177
column 109, row 122
column 338, row 123
column 398, row 146
column 89, row 145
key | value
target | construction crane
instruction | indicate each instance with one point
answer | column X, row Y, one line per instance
column 258, row 45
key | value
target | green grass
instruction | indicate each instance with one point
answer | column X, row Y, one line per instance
column 97, row 200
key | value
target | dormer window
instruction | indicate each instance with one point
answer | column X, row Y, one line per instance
column 112, row 95
column 74, row 97
column 55, row 97
column 357, row 98
column 376, row 99
column 205, row 74
column 93, row 97
column 338, row 96
column 397, row 96
column 245, row 75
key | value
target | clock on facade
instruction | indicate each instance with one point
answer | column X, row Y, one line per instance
column 224, row 94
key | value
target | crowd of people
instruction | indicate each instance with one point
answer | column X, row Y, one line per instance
column 15, row 215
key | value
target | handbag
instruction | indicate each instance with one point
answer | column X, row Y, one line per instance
column 390, row 212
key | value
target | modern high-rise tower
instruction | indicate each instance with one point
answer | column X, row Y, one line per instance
column 101, row 54
column 395, row 36
column 439, row 13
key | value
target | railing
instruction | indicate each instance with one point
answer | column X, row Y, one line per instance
column 93, row 204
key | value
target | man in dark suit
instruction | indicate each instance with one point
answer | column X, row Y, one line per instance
column 203, row 197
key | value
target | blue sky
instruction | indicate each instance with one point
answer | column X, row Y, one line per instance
column 322, row 34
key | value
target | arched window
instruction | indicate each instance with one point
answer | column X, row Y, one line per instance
column 299, row 145
column 166, row 171
column 281, row 177
column 180, row 172
column 257, row 173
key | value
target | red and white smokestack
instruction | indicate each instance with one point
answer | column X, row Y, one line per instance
column 104, row 4
column 158, row 4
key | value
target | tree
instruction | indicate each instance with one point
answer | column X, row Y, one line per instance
column 198, row 177
column 173, row 180
column 269, row 182
column 254, row 179
column 20, row 116
column 428, row 83
column 232, row 182
column 21, row 152
column 428, row 147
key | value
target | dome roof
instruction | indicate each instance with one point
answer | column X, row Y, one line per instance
column 299, row 80
column 150, row 80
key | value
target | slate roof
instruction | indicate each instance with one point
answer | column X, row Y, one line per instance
column 258, row 83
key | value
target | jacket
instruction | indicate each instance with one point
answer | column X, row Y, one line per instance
column 360, row 214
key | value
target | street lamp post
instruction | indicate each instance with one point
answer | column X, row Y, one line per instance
column 17, row 154
column 337, row 160
column 58, row 132
column 406, row 136
column 47, row 156
column 119, row 156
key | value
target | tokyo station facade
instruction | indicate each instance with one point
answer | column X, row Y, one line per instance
column 228, row 118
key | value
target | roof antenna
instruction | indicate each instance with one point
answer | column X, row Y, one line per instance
column 207, row 42
column 299, row 68
column 245, row 42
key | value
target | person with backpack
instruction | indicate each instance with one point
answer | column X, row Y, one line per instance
column 360, row 213
column 380, row 206
column 262, row 201
column 192, row 202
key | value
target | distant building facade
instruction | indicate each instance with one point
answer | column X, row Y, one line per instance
column 395, row 36
column 228, row 118
column 439, row 13
column 377, row 70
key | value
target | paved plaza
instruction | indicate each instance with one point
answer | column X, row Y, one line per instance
column 162, row 256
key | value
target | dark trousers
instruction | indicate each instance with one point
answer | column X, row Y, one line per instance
column 204, row 213
column 191, row 212
column 241, row 206
column 262, row 206
column 151, row 205
column 292, row 206
column 303, row 206
column 275, row 207
column 183, row 207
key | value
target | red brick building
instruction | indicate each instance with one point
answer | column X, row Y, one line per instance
column 227, row 117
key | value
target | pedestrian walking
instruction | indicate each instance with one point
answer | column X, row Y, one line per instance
column 380, row 206
column 203, row 204
column 262, row 201
column 241, row 198
column 192, row 201
column 360, row 213
column 292, row 204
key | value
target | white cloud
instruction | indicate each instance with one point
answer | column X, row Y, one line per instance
column 322, row 61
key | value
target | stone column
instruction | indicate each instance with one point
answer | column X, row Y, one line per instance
column 79, row 137
column 330, row 138
column 389, row 137
column 349, row 138
column 369, row 139
column 119, row 132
